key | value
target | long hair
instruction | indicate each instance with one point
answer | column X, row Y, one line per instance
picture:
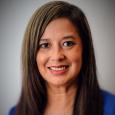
column 33, row 97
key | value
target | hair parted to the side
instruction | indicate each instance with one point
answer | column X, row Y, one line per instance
column 33, row 97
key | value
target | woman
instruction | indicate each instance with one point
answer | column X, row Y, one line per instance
column 59, row 68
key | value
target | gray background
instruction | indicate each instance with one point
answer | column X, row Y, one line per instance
column 14, row 16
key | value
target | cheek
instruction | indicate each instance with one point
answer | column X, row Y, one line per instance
column 76, row 55
column 76, row 59
column 40, row 59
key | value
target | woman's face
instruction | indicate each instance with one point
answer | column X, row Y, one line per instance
column 59, row 58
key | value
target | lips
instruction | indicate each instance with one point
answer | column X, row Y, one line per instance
column 61, row 67
column 58, row 69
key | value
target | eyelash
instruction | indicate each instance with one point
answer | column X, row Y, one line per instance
column 65, row 44
column 69, row 43
column 44, row 45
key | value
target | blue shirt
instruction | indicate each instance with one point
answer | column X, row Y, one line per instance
column 109, row 104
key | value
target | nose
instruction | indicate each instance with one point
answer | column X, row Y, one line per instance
column 57, row 54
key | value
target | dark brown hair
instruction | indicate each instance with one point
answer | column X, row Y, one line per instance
column 34, row 95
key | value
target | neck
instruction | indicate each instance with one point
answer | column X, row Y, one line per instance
column 61, row 92
column 61, row 99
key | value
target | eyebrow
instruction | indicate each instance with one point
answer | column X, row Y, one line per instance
column 64, row 37
column 46, row 39
column 70, row 36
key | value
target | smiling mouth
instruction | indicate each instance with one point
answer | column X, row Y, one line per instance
column 58, row 68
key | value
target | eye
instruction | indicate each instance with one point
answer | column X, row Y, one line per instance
column 44, row 45
column 68, row 43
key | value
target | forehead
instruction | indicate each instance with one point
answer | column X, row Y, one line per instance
column 59, row 27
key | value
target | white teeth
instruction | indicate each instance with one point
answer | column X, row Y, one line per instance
column 58, row 68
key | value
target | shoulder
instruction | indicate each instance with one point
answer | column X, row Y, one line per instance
column 109, row 103
column 12, row 111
